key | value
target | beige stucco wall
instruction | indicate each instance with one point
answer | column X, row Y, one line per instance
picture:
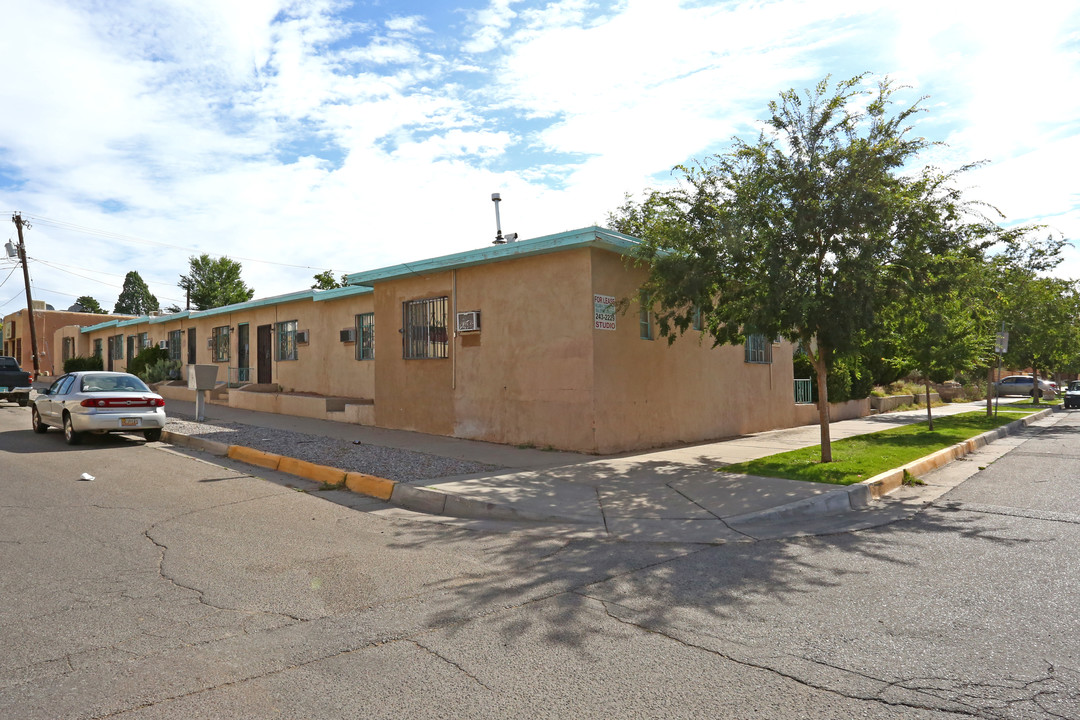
column 651, row 393
column 526, row 377
column 46, row 325
column 324, row 365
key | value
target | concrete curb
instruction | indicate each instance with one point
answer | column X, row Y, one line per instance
column 860, row 495
column 410, row 497
column 434, row 502
column 884, row 483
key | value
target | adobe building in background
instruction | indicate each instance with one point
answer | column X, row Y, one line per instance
column 47, row 321
column 519, row 343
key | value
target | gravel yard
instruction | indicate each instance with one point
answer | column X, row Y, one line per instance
column 385, row 462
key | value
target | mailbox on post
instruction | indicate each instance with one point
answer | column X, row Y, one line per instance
column 200, row 379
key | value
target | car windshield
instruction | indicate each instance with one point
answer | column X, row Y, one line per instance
column 112, row 383
column 1075, row 386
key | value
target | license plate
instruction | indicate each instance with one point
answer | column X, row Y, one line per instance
column 129, row 422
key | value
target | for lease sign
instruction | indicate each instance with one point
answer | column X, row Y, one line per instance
column 603, row 312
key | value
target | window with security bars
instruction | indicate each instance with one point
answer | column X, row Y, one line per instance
column 69, row 348
column 174, row 345
column 365, row 336
column 118, row 347
column 286, row 340
column 97, row 348
column 219, row 343
column 424, row 332
column 758, row 349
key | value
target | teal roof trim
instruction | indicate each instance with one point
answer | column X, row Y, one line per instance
column 347, row 291
column 99, row 326
column 169, row 316
column 132, row 321
column 586, row 237
column 250, row 304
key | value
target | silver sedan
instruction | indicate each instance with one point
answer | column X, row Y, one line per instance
column 99, row 402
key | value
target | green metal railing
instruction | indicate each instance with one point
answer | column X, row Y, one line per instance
column 803, row 392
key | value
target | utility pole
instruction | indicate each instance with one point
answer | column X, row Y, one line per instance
column 17, row 219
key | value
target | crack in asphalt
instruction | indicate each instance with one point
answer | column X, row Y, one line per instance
column 452, row 664
column 966, row 711
column 1049, row 515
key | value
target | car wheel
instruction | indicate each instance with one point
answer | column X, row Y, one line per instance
column 72, row 437
column 152, row 435
column 23, row 402
column 35, row 420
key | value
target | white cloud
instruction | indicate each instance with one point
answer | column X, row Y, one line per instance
column 302, row 132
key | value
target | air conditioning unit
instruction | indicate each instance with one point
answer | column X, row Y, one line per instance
column 302, row 337
column 468, row 321
column 163, row 344
column 348, row 335
column 154, row 313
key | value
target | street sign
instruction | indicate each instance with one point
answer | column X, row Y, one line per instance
column 1001, row 343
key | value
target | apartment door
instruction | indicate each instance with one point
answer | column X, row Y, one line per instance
column 263, row 352
column 111, row 353
column 191, row 354
column 243, row 354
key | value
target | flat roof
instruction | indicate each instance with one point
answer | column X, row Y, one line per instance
column 593, row 236
column 360, row 283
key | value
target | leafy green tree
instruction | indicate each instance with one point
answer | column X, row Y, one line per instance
column 1041, row 319
column 135, row 297
column 790, row 234
column 90, row 305
column 213, row 283
column 325, row 281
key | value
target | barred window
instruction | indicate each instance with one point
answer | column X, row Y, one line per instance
column 697, row 324
column 424, row 333
column 97, row 348
column 69, row 348
column 144, row 342
column 174, row 345
column 219, row 342
column 286, row 340
column 365, row 336
column 118, row 347
column 758, row 349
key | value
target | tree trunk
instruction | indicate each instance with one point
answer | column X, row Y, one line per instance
column 990, row 391
column 929, row 415
column 1035, row 392
column 823, row 403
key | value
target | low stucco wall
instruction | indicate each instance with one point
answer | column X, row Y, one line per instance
column 808, row 414
column 890, row 403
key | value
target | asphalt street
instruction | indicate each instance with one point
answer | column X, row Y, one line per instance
column 175, row 585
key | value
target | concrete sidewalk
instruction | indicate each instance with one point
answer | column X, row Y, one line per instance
column 670, row 495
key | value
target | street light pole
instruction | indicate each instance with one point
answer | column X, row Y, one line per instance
column 17, row 219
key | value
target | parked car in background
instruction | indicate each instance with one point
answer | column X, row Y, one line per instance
column 99, row 402
column 1072, row 395
column 1022, row 385
column 15, row 383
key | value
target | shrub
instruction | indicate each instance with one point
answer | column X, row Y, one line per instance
column 80, row 362
column 163, row 370
column 145, row 358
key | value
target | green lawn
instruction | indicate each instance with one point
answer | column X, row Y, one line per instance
column 861, row 457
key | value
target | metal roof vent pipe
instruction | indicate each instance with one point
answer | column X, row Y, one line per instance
column 499, row 238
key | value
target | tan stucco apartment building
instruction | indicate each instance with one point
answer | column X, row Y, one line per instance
column 47, row 321
column 527, row 342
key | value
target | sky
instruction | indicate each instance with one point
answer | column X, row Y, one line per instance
column 310, row 135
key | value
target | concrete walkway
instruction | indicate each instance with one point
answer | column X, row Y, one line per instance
column 671, row 495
